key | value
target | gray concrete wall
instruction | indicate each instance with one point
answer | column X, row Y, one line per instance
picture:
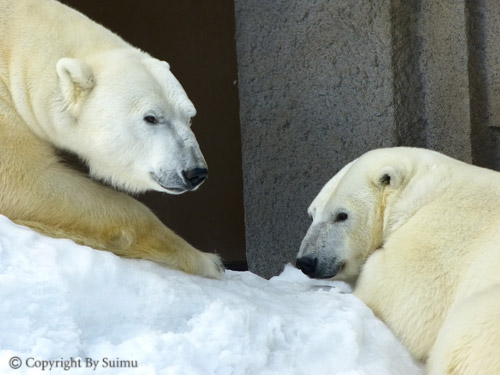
column 484, row 75
column 322, row 81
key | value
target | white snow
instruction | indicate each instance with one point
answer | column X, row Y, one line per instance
column 64, row 303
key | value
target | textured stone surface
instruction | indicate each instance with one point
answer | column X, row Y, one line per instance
column 313, row 81
column 443, row 65
column 408, row 97
column 323, row 81
column 484, row 77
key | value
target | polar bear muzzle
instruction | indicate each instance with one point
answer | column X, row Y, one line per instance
column 322, row 253
column 195, row 177
column 186, row 180
column 317, row 268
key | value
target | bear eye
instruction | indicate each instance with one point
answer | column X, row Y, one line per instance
column 341, row 216
column 150, row 119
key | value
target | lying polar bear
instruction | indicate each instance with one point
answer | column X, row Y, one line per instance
column 418, row 234
column 69, row 83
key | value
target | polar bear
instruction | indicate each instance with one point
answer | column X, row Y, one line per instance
column 68, row 83
column 418, row 234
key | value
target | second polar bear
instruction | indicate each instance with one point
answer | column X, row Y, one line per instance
column 68, row 83
column 418, row 234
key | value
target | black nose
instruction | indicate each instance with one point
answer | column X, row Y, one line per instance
column 307, row 265
column 195, row 176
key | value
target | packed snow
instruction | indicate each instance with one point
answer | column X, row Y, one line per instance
column 66, row 308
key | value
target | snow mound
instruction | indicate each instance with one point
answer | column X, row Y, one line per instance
column 66, row 308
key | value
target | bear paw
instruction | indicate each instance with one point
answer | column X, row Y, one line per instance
column 210, row 265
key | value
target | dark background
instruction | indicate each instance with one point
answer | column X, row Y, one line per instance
column 197, row 39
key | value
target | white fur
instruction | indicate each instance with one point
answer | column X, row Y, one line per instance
column 87, row 91
column 422, row 245
column 67, row 82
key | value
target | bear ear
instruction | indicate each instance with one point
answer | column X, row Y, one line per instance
column 389, row 176
column 76, row 79
column 165, row 64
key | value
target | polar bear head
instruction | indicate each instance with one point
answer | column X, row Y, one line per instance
column 348, row 216
column 126, row 115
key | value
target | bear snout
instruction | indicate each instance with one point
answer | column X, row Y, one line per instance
column 307, row 265
column 319, row 269
column 194, row 177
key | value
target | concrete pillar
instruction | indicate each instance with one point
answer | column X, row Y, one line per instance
column 313, row 79
column 443, row 63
